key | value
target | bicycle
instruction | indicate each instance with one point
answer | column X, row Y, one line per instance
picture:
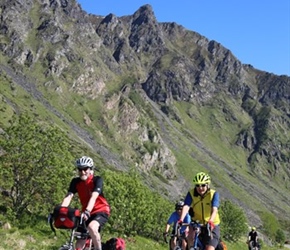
column 197, row 241
column 179, row 237
column 252, row 247
column 77, row 232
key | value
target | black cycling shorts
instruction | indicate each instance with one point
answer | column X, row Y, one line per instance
column 102, row 218
column 208, row 240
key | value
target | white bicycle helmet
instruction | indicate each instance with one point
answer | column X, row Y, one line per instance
column 179, row 205
column 85, row 162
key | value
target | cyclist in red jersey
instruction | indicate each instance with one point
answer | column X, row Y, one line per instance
column 95, row 207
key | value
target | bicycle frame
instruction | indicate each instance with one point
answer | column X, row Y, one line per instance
column 251, row 243
column 197, row 244
column 178, row 237
column 78, row 235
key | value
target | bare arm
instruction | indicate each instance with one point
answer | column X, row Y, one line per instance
column 67, row 199
column 92, row 201
column 167, row 228
column 185, row 210
column 214, row 211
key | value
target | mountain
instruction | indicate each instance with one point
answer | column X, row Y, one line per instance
column 152, row 96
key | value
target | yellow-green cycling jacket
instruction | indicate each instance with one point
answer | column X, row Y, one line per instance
column 202, row 206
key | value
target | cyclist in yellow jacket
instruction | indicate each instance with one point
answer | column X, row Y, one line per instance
column 202, row 203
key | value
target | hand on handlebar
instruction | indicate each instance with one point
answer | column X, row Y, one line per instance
column 179, row 222
column 165, row 235
column 86, row 215
column 211, row 225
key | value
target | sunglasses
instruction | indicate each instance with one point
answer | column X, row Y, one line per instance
column 200, row 185
column 83, row 169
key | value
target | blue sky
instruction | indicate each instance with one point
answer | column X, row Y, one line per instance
column 257, row 32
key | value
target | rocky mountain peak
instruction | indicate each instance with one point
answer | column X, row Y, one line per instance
column 166, row 99
column 145, row 33
column 144, row 16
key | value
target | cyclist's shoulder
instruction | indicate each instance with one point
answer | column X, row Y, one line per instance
column 214, row 194
column 98, row 181
column 213, row 191
column 75, row 180
column 174, row 215
column 192, row 193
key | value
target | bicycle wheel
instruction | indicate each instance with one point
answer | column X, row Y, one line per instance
column 89, row 245
column 251, row 246
column 169, row 245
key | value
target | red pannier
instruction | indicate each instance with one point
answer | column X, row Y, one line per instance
column 115, row 244
column 66, row 217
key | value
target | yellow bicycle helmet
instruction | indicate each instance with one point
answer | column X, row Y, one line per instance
column 201, row 178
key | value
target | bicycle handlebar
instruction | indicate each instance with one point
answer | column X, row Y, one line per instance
column 83, row 225
column 195, row 224
column 165, row 239
column 82, row 221
column 176, row 233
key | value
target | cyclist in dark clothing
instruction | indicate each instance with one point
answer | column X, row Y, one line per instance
column 253, row 238
column 95, row 208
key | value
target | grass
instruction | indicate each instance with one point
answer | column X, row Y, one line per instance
column 44, row 239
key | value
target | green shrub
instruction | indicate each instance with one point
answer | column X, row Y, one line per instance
column 233, row 221
column 135, row 209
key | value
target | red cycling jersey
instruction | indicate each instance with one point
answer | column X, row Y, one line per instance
column 85, row 189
